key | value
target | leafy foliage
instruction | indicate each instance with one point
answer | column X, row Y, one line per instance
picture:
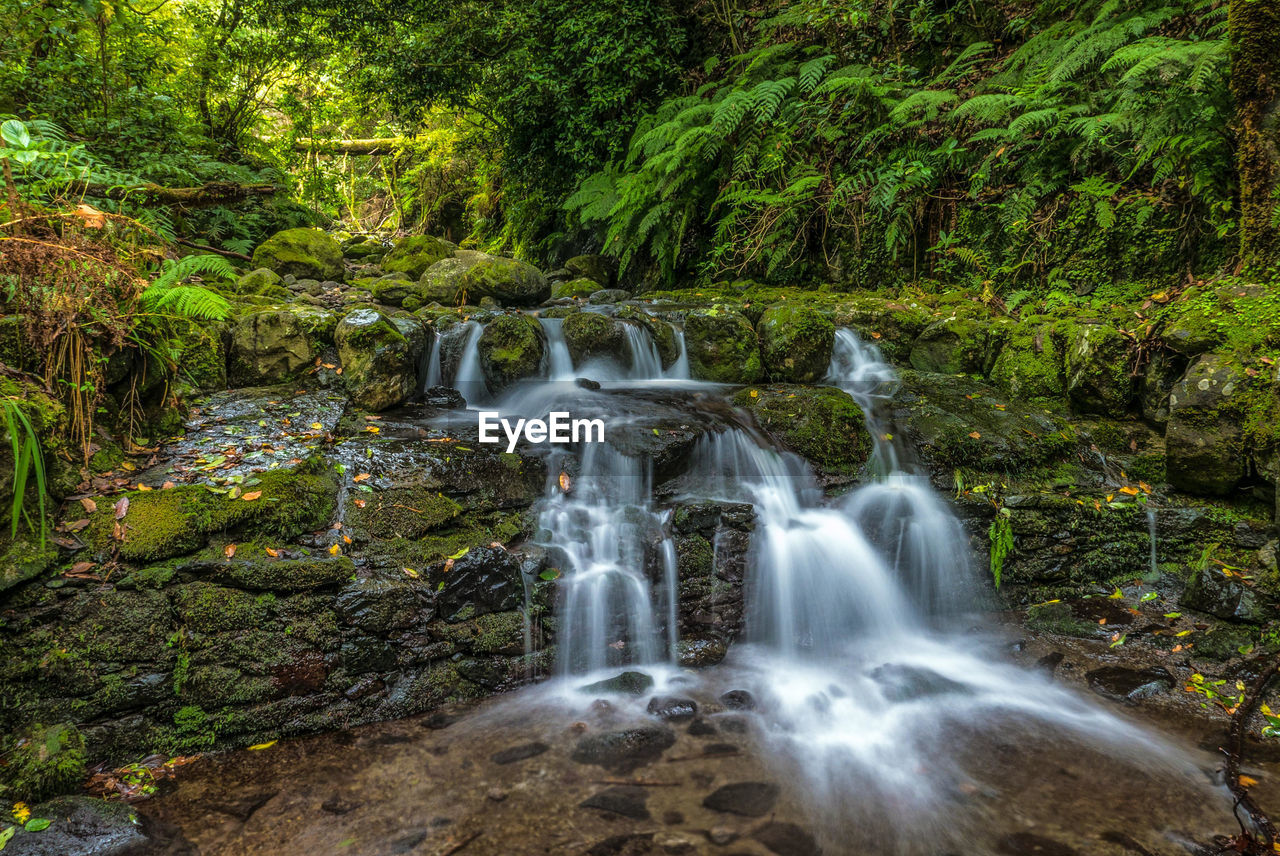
column 167, row 293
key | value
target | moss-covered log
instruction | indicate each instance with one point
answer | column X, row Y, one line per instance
column 212, row 193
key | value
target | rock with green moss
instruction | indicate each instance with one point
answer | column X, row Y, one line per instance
column 263, row 282
column 821, row 424
column 1099, row 369
column 402, row 513
column 363, row 248
column 202, row 356
column 1204, row 438
column 266, row 573
column 510, row 350
column 955, row 346
column 43, row 761
column 722, row 346
column 581, row 287
column 414, row 254
column 594, row 336
column 1162, row 373
column 378, row 361
column 796, row 343
column 1191, row 333
column 24, row 558
column 204, row 607
column 163, row 524
column 602, row 270
column 304, row 253
column 510, row 282
column 269, row 346
column 443, row 281
column 1212, row 591
column 1030, row 366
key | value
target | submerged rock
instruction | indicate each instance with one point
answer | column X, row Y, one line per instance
column 749, row 799
column 622, row 752
column 787, row 839
column 722, row 346
column 302, row 253
column 625, row 800
column 673, row 708
column 523, row 752
column 796, row 343
column 625, row 683
column 1129, row 685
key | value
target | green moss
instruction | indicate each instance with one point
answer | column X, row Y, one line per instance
column 821, row 424
column 414, row 254
column 591, row 335
column 42, row 762
column 1030, row 366
column 402, row 513
column 510, row 349
column 722, row 346
column 1059, row 619
column 207, row 608
column 795, row 342
column 581, row 287
column 304, row 253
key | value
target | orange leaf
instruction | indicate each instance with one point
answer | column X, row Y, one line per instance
column 122, row 507
column 361, row 477
column 229, row 551
column 564, row 481
column 1247, row 781
column 975, row 435
column 272, row 552
column 359, row 503
column 167, row 486
column 346, row 539
column 251, row 495
column 1129, row 491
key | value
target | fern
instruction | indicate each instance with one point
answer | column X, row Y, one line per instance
column 169, row 295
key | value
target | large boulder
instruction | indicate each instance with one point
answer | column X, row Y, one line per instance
column 442, row 282
column 581, row 287
column 954, row 346
column 1204, row 438
column 722, row 346
column 510, row 282
column 304, row 253
column 510, row 349
column 414, row 254
column 821, row 424
column 1211, row 590
column 378, row 360
column 600, row 269
column 591, row 336
column 796, row 343
column 262, row 282
column 1030, row 365
column 1098, row 366
column 269, row 346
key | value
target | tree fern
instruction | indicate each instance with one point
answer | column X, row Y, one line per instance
column 167, row 294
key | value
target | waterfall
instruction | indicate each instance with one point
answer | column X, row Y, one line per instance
column 680, row 368
column 557, row 364
column 434, row 375
column 469, row 378
column 858, row 368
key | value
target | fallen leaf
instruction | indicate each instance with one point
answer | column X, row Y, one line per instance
column 975, row 435
column 564, row 481
column 362, row 477
column 229, row 551
column 89, row 505
column 372, row 429
column 122, row 507
column 410, row 572
column 143, row 488
column 346, row 539
column 77, row 525
column 1247, row 781
column 360, row 503
column 259, row 746
column 273, row 552
column 90, row 216
column 1129, row 491
column 251, row 495
column 335, row 550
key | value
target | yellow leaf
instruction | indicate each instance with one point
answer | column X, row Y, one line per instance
column 258, row 746
column 251, row 495
column 1129, row 491
column 273, row 552
column 317, row 426
column 335, row 550
column 410, row 572
column 975, row 435
column 372, row 429
column 142, row 487
column 362, row 477
column 564, row 481
column 1247, row 781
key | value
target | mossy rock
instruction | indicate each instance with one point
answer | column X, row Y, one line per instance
column 42, row 762
column 602, row 270
column 443, row 281
column 510, row 282
column 1204, row 439
column 208, row 608
column 955, row 346
column 24, row 558
column 402, row 513
column 796, row 343
column 1030, row 366
column 722, row 346
column 821, row 424
column 304, row 253
column 202, row 356
column 263, row 282
column 594, row 336
column 378, row 360
column 364, row 248
column 163, row 524
column 575, row 288
column 1099, row 369
column 264, row 573
column 268, row 347
column 510, row 350
column 414, row 254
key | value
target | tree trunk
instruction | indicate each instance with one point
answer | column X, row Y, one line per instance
column 378, row 146
column 1254, row 27
column 213, row 193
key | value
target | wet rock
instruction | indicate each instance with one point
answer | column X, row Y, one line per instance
column 1211, row 591
column 1162, row 373
column 593, row 336
column 442, row 281
column 625, row 683
column 672, row 708
column 378, row 606
column 485, row 580
column 722, row 835
column 625, row 800
column 262, row 282
column 1098, row 366
column 738, row 700
column 900, row 683
column 701, row 728
column 378, row 360
column 700, row 653
column 796, row 343
column 749, row 799
column 821, row 424
column 302, row 253
column 336, row 804
column 787, row 839
column 82, row 826
column 496, row 794
column 673, row 817
column 722, row 346
column 1129, row 685
column 414, row 254
column 629, row 844
column 622, row 752
column 271, row 346
column 600, row 269
column 523, row 752
column 510, row 349
column 369, row 248
column 445, row 397
column 1030, row 365
column 1204, row 437
column 674, row 842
